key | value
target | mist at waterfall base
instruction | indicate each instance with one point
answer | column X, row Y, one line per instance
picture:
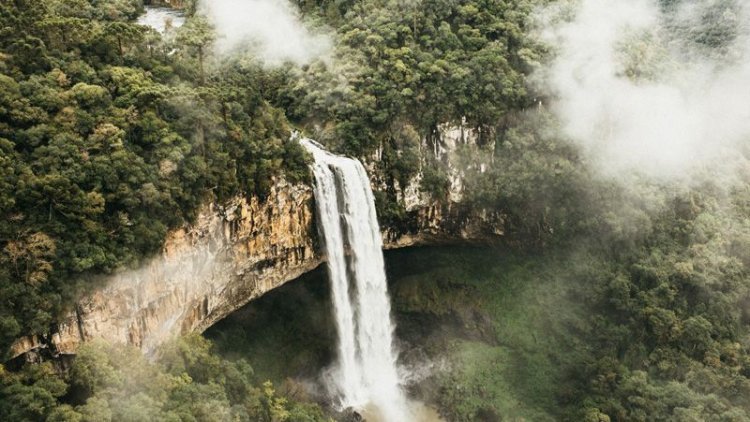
column 366, row 377
column 653, row 89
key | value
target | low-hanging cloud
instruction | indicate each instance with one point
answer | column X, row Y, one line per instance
column 635, row 87
column 270, row 29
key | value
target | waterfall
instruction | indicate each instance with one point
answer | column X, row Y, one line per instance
column 367, row 374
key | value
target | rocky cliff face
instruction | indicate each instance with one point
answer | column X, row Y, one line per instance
column 429, row 221
column 233, row 253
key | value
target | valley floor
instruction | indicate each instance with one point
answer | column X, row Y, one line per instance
column 483, row 332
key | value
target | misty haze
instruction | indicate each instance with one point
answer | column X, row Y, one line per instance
column 380, row 211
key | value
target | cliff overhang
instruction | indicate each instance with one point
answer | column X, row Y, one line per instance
column 233, row 253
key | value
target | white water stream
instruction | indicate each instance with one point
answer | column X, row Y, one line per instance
column 162, row 19
column 367, row 376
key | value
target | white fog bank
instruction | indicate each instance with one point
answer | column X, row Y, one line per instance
column 271, row 29
column 635, row 87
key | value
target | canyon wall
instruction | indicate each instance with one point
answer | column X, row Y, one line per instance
column 233, row 253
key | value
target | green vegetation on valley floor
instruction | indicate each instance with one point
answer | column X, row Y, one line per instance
column 187, row 382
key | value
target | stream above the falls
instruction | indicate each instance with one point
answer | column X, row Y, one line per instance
column 162, row 19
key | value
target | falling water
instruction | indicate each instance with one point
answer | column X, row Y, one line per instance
column 367, row 375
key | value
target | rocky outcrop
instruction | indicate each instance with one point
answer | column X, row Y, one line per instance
column 233, row 253
column 229, row 256
column 450, row 220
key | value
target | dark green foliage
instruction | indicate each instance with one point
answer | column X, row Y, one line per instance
column 31, row 394
column 435, row 179
column 534, row 176
column 501, row 319
column 710, row 27
column 416, row 65
column 188, row 382
column 671, row 327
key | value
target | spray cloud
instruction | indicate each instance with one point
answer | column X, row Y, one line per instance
column 659, row 90
column 271, row 29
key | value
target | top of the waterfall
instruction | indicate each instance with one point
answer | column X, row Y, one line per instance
column 307, row 141
column 319, row 151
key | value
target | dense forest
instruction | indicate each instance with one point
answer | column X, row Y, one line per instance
column 112, row 134
column 109, row 141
